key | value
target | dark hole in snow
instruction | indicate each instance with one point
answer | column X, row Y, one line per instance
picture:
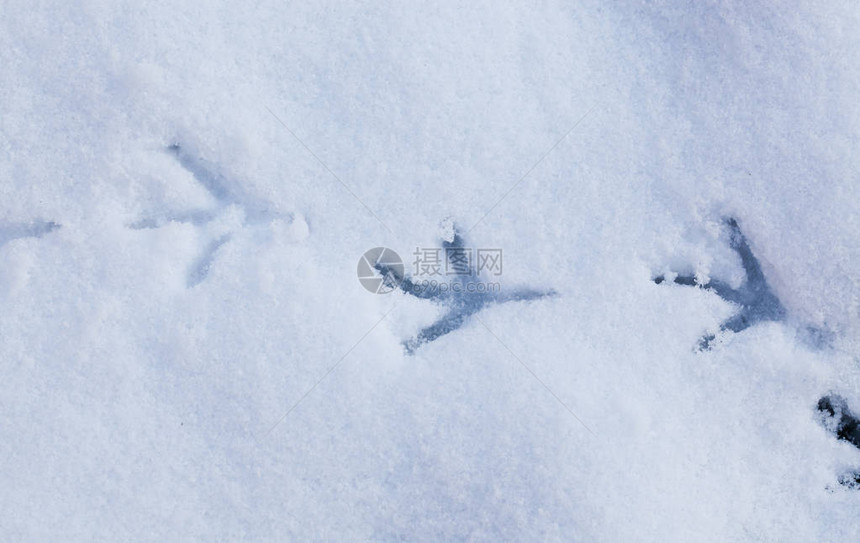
column 838, row 419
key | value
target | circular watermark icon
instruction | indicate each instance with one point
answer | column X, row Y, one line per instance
column 380, row 270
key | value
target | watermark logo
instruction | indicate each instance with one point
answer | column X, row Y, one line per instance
column 381, row 270
column 374, row 259
column 430, row 262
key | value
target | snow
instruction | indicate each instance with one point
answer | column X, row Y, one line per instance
column 187, row 353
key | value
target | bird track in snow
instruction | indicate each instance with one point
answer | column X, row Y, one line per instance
column 33, row 229
column 754, row 298
column 461, row 302
column 226, row 192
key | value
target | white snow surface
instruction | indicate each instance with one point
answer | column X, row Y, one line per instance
column 228, row 379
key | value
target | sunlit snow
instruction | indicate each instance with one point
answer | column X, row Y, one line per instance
column 187, row 353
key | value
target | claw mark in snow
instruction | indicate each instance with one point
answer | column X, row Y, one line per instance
column 197, row 218
column 212, row 181
column 226, row 193
column 755, row 298
column 34, row 229
column 200, row 268
column 461, row 300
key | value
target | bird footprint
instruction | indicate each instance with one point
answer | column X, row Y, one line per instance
column 463, row 298
column 755, row 299
column 227, row 194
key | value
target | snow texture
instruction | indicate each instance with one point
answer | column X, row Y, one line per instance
column 188, row 355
